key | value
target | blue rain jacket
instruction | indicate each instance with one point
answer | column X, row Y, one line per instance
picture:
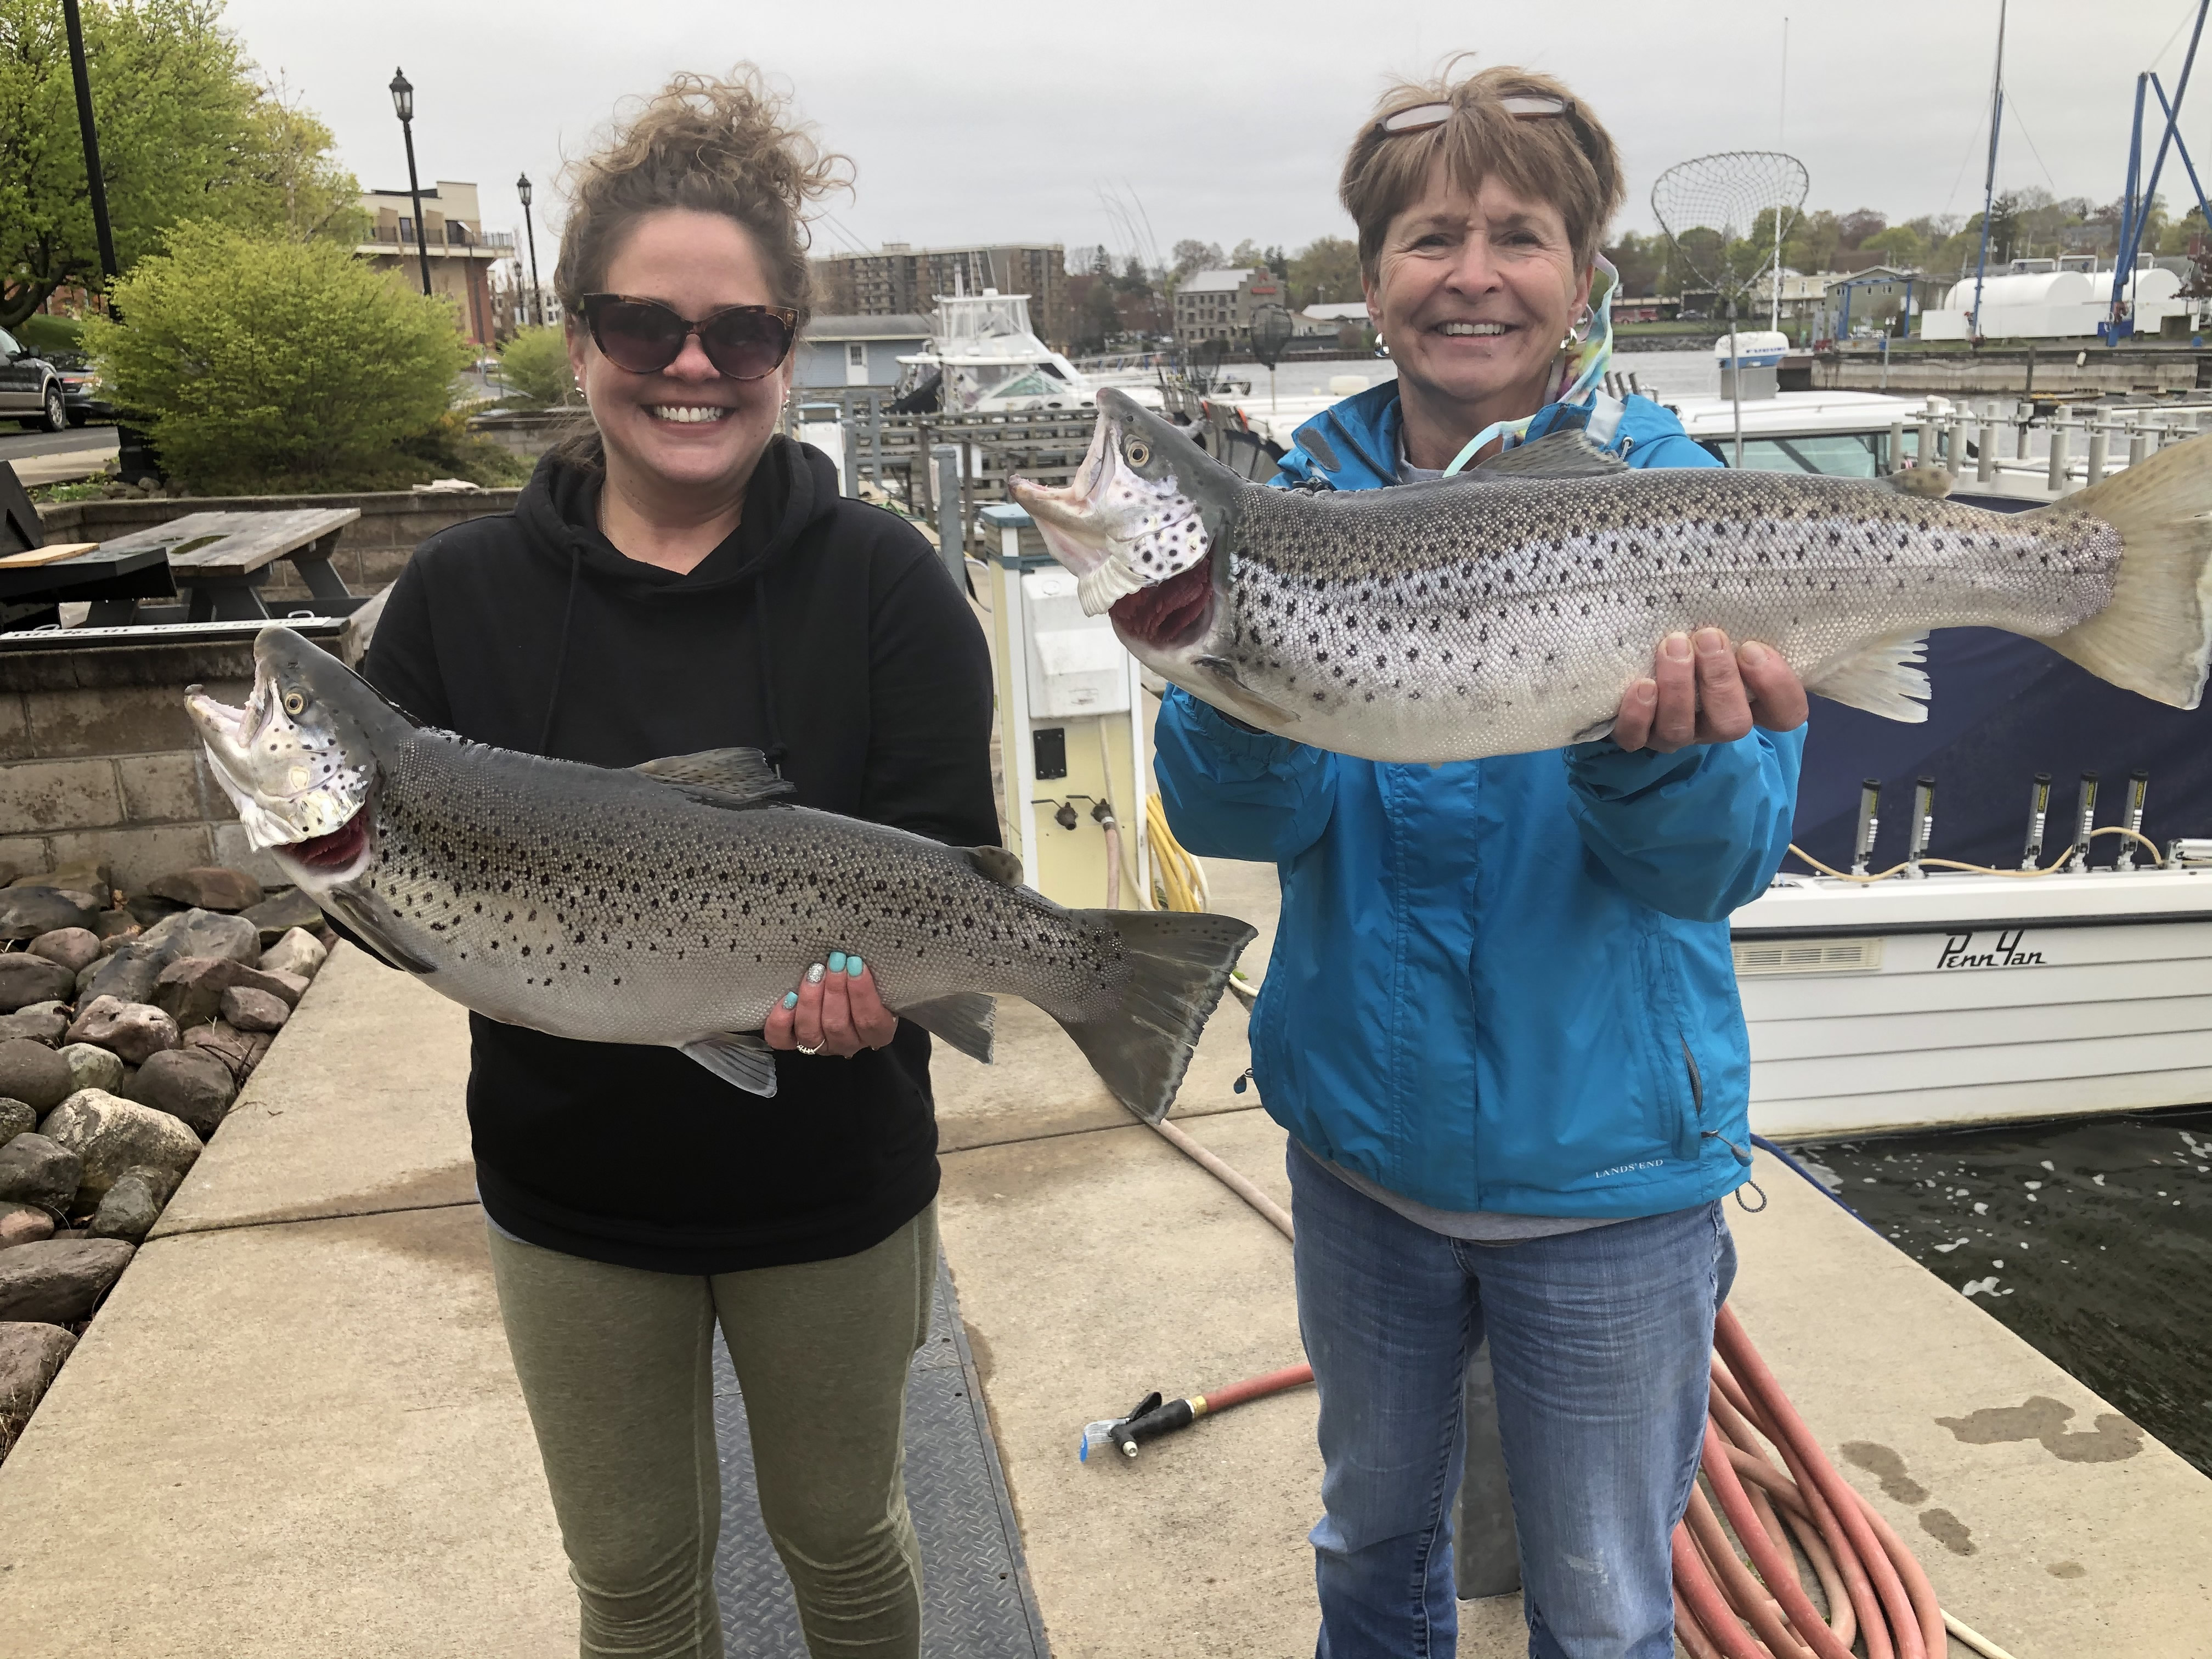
column 1503, row 984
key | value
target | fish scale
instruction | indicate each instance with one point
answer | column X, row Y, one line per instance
column 1532, row 605
column 548, row 910
column 1506, row 610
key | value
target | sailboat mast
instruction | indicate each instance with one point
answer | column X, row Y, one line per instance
column 1990, row 178
column 1781, row 125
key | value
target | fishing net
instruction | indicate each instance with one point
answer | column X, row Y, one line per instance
column 1725, row 214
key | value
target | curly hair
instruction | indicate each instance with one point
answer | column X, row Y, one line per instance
column 732, row 146
column 1568, row 160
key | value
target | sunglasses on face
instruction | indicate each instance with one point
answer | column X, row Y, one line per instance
column 644, row 336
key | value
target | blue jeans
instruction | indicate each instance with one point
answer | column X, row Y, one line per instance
column 1600, row 1341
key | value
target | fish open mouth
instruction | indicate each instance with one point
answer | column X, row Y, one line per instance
column 341, row 849
column 1172, row 614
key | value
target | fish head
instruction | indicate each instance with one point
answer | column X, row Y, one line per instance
column 299, row 760
column 1139, row 519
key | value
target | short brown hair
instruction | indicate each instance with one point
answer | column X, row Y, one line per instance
column 1568, row 160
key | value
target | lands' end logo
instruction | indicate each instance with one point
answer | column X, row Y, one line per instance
column 1958, row 952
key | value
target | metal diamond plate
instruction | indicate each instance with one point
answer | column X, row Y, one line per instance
column 977, row 1601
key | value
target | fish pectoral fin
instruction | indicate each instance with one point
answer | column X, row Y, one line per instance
column 1559, row 455
column 965, row 1020
column 369, row 928
column 738, row 779
column 1880, row 678
column 741, row 1058
column 995, row 864
column 1229, row 688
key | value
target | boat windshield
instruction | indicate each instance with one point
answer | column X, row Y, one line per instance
column 1834, row 454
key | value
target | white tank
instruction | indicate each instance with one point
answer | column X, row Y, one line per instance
column 2040, row 287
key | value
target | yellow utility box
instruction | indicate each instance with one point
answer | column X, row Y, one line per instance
column 1072, row 728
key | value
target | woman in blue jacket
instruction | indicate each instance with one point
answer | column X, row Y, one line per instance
column 1501, row 1022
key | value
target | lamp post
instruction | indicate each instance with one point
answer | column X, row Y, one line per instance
column 96, row 186
column 530, row 231
column 403, row 102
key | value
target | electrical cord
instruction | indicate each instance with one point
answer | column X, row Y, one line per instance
column 2056, row 867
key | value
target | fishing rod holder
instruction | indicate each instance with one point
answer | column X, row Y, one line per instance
column 2039, row 816
column 1923, row 826
column 2132, row 819
column 1869, row 824
column 2085, row 823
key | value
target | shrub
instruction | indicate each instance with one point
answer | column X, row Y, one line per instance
column 275, row 366
column 535, row 366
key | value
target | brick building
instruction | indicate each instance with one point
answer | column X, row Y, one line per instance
column 462, row 252
column 901, row 280
column 1217, row 305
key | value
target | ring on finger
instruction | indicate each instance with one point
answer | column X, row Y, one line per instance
column 804, row 1049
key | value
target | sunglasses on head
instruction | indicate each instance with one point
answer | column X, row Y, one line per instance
column 644, row 336
column 1427, row 117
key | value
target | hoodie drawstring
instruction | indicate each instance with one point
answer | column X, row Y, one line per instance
column 561, row 650
column 774, row 748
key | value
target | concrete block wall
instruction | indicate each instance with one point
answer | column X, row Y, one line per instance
column 370, row 550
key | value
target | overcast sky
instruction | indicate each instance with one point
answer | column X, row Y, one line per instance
column 977, row 120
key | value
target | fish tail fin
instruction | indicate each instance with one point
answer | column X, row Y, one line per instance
column 2155, row 637
column 1179, row 964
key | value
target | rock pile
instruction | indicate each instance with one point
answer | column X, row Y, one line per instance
column 127, row 1027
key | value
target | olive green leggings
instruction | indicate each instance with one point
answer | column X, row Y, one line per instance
column 615, row 1368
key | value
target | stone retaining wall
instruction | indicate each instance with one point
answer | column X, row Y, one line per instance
column 370, row 550
column 528, row 432
column 98, row 759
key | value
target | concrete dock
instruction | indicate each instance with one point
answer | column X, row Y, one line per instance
column 293, row 1431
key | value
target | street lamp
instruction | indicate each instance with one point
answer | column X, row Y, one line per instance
column 403, row 104
column 537, row 294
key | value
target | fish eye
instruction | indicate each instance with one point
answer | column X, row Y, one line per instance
column 294, row 703
column 1138, row 451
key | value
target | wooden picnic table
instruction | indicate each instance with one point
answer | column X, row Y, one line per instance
column 113, row 581
column 220, row 558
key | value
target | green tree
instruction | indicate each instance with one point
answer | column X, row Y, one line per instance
column 1325, row 269
column 186, row 130
column 1899, row 244
column 534, row 363
column 270, row 365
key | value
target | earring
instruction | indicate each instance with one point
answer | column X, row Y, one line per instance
column 1578, row 334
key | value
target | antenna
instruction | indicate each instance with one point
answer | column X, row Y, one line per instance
column 1990, row 178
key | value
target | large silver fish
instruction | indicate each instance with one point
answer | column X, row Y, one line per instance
column 675, row 903
column 1508, row 611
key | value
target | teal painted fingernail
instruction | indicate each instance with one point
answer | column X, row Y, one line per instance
column 791, row 999
column 853, row 966
column 836, row 962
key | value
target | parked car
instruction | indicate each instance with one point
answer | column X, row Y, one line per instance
column 81, row 391
column 31, row 388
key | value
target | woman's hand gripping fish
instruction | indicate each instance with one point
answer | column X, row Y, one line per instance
column 1505, row 610
column 675, row 903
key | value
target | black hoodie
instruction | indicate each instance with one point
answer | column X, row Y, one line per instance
column 823, row 631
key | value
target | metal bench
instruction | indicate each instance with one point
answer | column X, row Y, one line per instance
column 220, row 558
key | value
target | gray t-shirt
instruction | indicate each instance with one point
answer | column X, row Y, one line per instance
column 1475, row 1226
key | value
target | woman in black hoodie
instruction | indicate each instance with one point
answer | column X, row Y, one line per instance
column 684, row 579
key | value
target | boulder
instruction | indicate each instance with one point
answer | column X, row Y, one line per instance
column 59, row 1279
column 206, row 933
column 251, row 1009
column 72, row 947
column 92, row 1067
column 279, row 914
column 240, row 1050
column 23, row 1223
column 110, row 1134
column 30, row 1355
column 32, row 1073
column 25, row 979
column 290, row 987
column 298, row 952
column 208, row 888
column 192, row 988
column 42, row 1022
column 28, row 912
column 36, row 1169
column 15, row 1119
column 145, row 909
column 193, row 1085
column 133, row 1031
column 114, row 925
column 130, row 975
column 78, row 875
column 133, row 1203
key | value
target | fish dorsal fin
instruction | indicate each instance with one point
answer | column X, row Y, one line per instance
column 1558, row 455
column 1932, row 481
column 738, row 778
column 996, row 863
column 741, row 1058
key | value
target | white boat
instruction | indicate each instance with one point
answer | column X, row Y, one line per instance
column 993, row 362
column 1969, row 999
